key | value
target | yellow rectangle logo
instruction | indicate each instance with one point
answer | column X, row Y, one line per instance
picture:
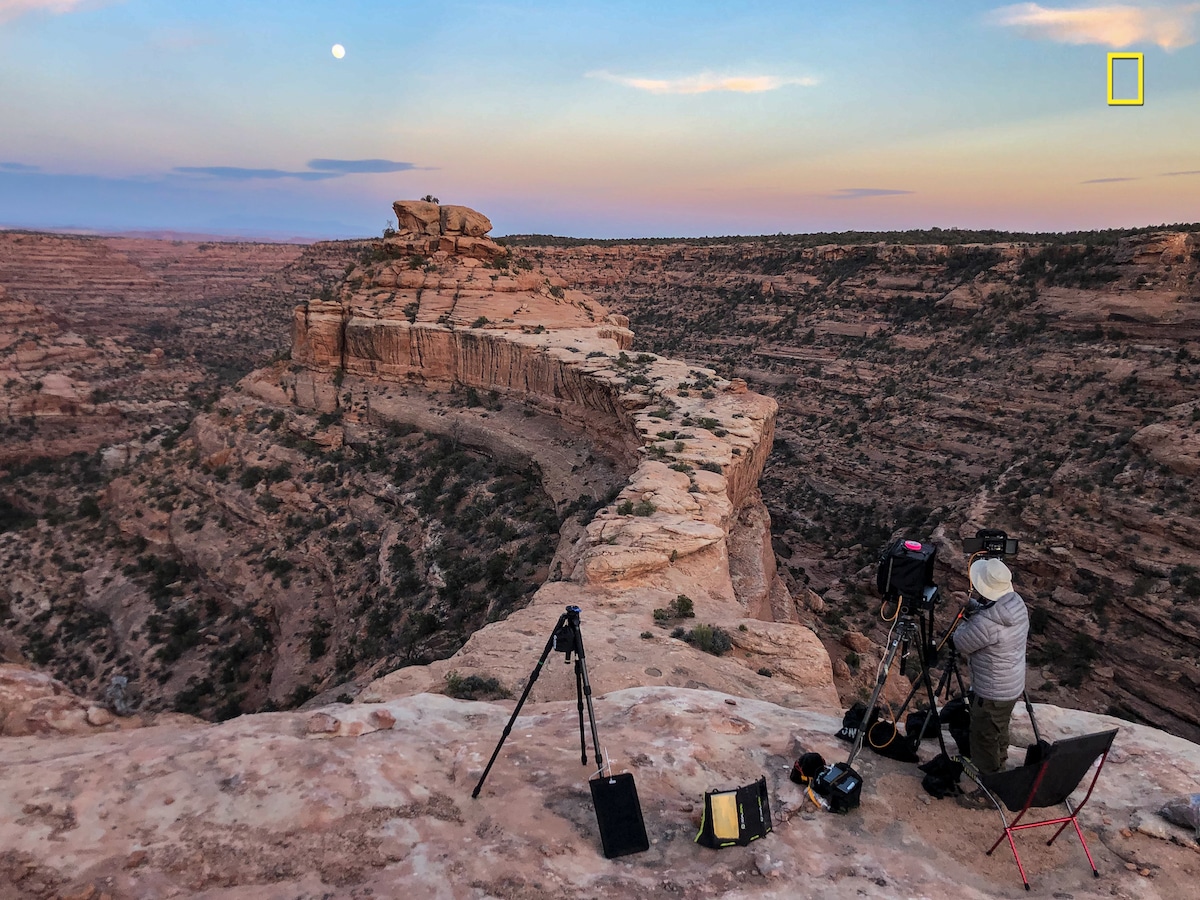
column 1139, row 100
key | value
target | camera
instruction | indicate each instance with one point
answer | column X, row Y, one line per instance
column 992, row 542
column 905, row 575
column 566, row 638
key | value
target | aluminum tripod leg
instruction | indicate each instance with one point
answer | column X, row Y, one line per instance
column 537, row 670
column 901, row 633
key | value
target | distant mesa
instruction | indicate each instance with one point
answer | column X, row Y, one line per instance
column 421, row 217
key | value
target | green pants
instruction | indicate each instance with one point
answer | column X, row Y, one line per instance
column 989, row 733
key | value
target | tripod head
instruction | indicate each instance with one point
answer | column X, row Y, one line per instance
column 566, row 638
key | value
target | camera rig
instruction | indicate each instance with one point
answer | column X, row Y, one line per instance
column 905, row 579
column 990, row 542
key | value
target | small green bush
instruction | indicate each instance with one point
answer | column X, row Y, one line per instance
column 710, row 639
column 474, row 687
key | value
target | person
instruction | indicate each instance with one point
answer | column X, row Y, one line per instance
column 992, row 639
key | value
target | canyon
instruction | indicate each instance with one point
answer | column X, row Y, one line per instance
column 702, row 446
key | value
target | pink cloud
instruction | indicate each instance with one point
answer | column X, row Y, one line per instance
column 1117, row 25
column 705, row 83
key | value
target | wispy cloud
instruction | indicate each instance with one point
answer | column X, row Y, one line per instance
column 318, row 170
column 1106, row 180
column 1115, row 25
column 863, row 193
column 11, row 9
column 17, row 167
column 1176, row 174
column 235, row 173
column 705, row 83
column 359, row 166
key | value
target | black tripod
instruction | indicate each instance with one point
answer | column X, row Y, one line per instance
column 566, row 638
column 951, row 676
column 909, row 629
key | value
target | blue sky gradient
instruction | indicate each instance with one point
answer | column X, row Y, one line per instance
column 595, row 119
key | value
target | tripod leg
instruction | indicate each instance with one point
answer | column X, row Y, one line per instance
column 932, row 708
column 884, row 667
column 581, row 669
column 537, row 670
column 1032, row 721
column 579, row 707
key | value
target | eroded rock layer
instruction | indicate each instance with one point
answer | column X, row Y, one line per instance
column 443, row 306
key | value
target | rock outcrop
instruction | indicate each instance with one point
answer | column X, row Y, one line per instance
column 691, row 445
column 375, row 801
column 431, row 313
column 425, row 218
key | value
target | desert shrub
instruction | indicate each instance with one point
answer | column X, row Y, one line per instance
column 318, row 639
column 710, row 638
column 251, row 477
column 474, row 687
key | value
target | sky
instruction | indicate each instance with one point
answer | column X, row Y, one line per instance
column 596, row 119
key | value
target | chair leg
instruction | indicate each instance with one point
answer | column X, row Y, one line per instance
column 1095, row 871
column 1016, row 856
column 1067, row 803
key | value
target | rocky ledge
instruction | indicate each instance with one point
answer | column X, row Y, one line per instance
column 438, row 306
column 441, row 305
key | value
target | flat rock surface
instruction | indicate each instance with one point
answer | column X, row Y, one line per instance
column 261, row 807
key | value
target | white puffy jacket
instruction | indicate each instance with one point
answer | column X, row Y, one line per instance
column 994, row 642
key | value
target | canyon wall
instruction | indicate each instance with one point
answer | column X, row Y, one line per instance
column 451, row 312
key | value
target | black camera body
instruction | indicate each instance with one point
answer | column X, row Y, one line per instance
column 566, row 638
column 991, row 542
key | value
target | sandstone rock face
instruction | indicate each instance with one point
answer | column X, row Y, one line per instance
column 462, row 220
column 439, row 319
column 692, row 444
column 420, row 217
column 32, row 703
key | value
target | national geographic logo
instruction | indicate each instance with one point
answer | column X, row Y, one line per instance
column 1138, row 59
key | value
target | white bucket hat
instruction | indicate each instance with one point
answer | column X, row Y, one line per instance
column 991, row 578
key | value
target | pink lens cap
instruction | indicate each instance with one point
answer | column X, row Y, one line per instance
column 912, row 545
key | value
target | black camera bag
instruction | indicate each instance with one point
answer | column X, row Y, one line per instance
column 841, row 786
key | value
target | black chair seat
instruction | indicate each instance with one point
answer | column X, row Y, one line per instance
column 1049, row 782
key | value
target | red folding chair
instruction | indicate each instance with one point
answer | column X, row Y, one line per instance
column 1046, row 782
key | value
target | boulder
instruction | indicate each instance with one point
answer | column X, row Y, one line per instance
column 418, row 217
column 464, row 220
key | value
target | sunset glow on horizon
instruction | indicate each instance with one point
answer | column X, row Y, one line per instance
column 595, row 119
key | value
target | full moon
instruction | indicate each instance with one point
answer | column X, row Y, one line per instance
column 338, row 51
